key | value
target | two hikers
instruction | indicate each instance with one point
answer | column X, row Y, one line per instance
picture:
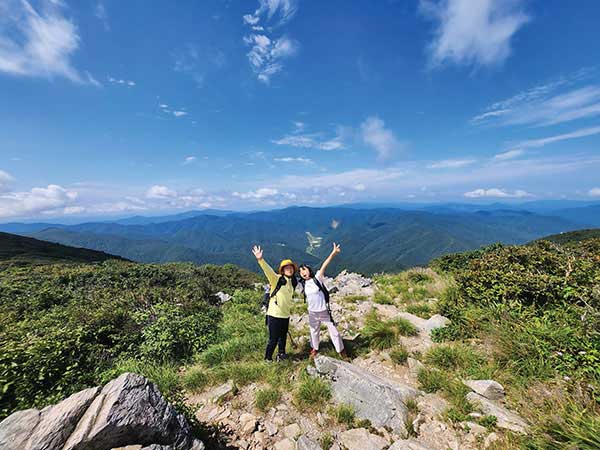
column 282, row 289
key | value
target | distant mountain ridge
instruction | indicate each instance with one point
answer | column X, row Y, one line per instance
column 373, row 240
column 21, row 250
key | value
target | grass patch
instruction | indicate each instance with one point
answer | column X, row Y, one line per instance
column 355, row 298
column 312, row 393
column 383, row 298
column 267, row 398
column 454, row 357
column 163, row 375
column 195, row 379
column 412, row 285
column 382, row 334
column 432, row 380
column 326, row 441
column 344, row 414
column 423, row 310
column 399, row 354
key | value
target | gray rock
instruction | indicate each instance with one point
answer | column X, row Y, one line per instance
column 16, row 428
column 220, row 392
column 306, row 443
column 407, row 444
column 286, row 444
column 128, row 410
column 361, row 439
column 434, row 322
column 292, row 431
column 47, row 429
column 505, row 418
column 490, row 389
column 159, row 447
column 373, row 398
column 474, row 428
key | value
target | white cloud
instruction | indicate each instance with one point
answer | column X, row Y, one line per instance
column 258, row 195
column 299, row 127
column 510, row 154
column 282, row 10
column 497, row 193
column 451, row 164
column 594, row 192
column 38, row 42
column 189, row 160
column 121, row 81
column 37, row 201
column 381, row 139
column 311, row 141
column 561, row 137
column 160, row 192
column 293, row 160
column 102, row 15
column 266, row 55
column 5, row 179
column 360, row 187
column 473, row 32
column 179, row 113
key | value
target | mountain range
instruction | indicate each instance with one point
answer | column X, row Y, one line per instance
column 373, row 239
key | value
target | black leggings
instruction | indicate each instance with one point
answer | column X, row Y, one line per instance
column 278, row 329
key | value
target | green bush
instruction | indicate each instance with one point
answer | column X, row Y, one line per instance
column 432, row 380
column 195, row 379
column 423, row 310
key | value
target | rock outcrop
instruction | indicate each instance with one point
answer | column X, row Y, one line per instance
column 128, row 411
column 373, row 398
column 505, row 418
column 490, row 389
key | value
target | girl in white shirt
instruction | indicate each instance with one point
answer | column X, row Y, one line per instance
column 318, row 307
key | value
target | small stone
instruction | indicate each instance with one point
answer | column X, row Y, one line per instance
column 270, row 428
column 488, row 388
column 286, row 444
column 407, row 444
column 292, row 431
column 306, row 443
column 474, row 428
column 221, row 392
column 248, row 422
column 492, row 437
column 243, row 444
column 361, row 439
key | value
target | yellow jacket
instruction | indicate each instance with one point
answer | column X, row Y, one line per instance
column 280, row 305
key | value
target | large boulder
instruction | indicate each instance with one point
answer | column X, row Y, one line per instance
column 348, row 283
column 381, row 401
column 129, row 410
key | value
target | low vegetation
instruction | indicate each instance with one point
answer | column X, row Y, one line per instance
column 67, row 327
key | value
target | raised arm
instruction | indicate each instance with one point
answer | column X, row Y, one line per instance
column 267, row 269
column 335, row 251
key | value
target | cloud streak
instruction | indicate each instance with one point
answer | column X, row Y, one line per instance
column 378, row 137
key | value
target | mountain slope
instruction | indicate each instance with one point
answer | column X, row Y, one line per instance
column 19, row 250
column 373, row 240
column 572, row 236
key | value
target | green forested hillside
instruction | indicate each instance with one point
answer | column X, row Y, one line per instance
column 63, row 326
column 19, row 250
column 573, row 236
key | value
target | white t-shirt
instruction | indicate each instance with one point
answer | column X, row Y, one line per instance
column 314, row 297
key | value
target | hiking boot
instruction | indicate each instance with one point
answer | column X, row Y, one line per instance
column 344, row 355
column 313, row 353
column 282, row 357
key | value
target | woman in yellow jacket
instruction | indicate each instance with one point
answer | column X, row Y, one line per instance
column 283, row 286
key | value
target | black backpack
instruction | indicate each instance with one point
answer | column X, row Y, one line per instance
column 268, row 295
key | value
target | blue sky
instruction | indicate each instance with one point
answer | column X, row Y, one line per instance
column 133, row 107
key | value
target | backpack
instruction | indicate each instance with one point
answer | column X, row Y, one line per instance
column 268, row 295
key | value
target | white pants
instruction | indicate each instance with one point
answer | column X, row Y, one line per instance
column 314, row 322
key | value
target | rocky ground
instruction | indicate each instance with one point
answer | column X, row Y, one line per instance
column 391, row 411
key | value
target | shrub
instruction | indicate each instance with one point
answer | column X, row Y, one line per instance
column 399, row 354
column 312, row 393
column 488, row 421
column 403, row 327
column 384, row 334
column 453, row 357
column 267, row 398
column 383, row 299
column 163, row 375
